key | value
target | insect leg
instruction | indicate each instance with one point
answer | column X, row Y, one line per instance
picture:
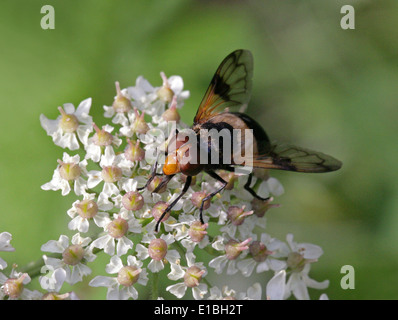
column 211, row 195
column 153, row 171
column 165, row 181
column 153, row 174
column 171, row 205
column 251, row 191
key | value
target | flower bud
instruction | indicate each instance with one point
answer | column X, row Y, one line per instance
column 133, row 152
column 171, row 114
column 233, row 248
column 87, row 208
column 73, row 254
column 193, row 276
column 295, row 261
column 259, row 251
column 197, row 231
column 121, row 103
column 133, row 200
column 128, row 275
column 230, row 178
column 69, row 171
column 183, row 178
column 111, row 173
column 13, row 287
column 158, row 210
column 237, row 215
column 157, row 249
column 260, row 207
column 165, row 93
column 118, row 228
column 102, row 137
column 154, row 184
column 139, row 125
column 197, row 198
column 68, row 122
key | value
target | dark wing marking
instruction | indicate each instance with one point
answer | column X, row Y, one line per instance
column 230, row 87
column 292, row 158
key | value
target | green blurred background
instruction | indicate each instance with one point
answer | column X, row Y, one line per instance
column 315, row 85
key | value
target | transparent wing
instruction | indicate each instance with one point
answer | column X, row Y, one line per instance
column 292, row 158
column 230, row 87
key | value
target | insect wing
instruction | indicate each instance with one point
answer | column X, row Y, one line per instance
column 230, row 87
column 292, row 158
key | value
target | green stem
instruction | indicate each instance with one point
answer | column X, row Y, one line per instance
column 33, row 269
column 181, row 250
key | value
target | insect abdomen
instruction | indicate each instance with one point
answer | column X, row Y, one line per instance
column 263, row 142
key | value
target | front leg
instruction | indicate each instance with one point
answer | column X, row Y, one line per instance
column 171, row 205
column 251, row 191
column 164, row 182
column 211, row 195
column 152, row 176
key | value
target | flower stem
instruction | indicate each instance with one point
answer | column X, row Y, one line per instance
column 33, row 268
column 181, row 250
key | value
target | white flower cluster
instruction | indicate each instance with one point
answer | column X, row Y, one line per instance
column 113, row 216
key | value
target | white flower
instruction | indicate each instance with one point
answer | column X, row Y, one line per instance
column 94, row 148
column 217, row 208
column 229, row 258
column 111, row 173
column 299, row 261
column 121, row 287
column 73, row 257
column 121, row 104
column 80, row 221
column 309, row 251
column 63, row 130
column 176, row 84
column 192, row 274
column 152, row 139
column 149, row 98
column 265, row 256
column 299, row 282
column 5, row 238
column 270, row 186
column 245, row 229
column 53, row 280
column 144, row 95
column 116, row 236
column 276, row 286
column 252, row 293
column 238, row 190
column 182, row 233
column 157, row 265
column 73, row 167
column 13, row 287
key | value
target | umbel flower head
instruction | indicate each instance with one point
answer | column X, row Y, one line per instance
column 115, row 212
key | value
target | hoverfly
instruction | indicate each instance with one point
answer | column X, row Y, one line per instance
column 231, row 87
